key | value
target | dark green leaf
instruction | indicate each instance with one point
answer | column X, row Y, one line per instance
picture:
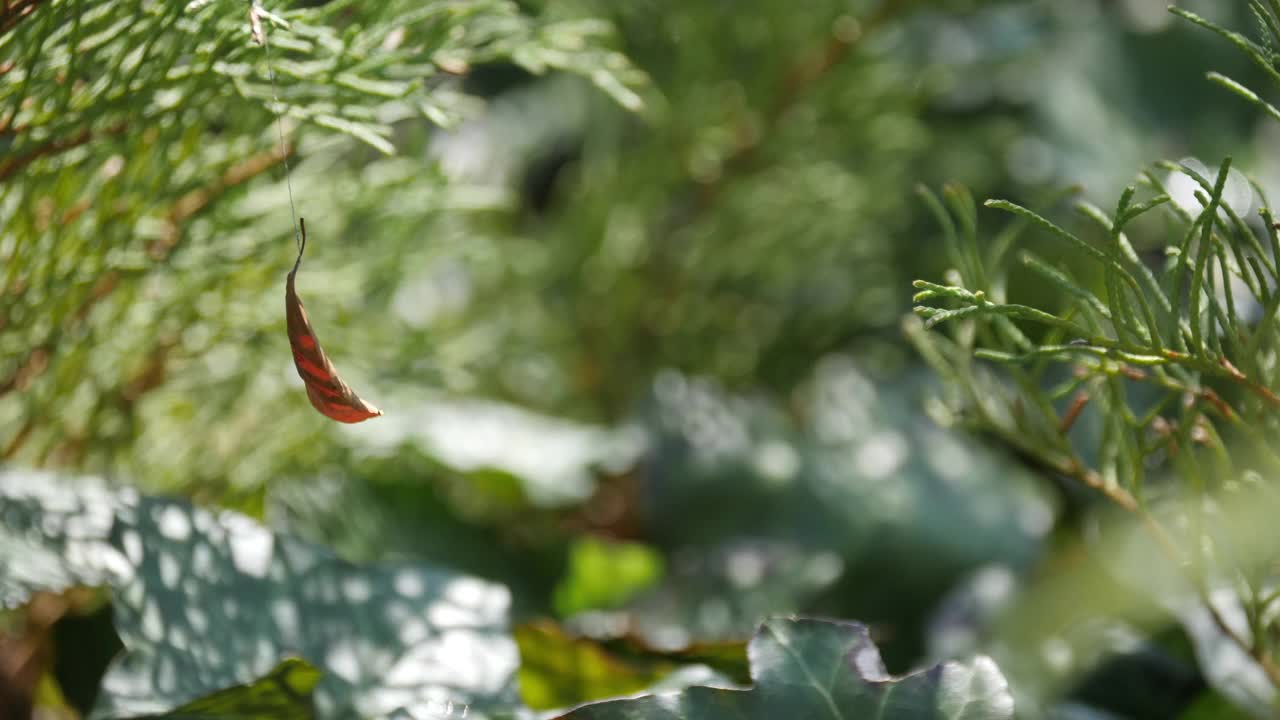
column 283, row 694
column 204, row 602
column 826, row 670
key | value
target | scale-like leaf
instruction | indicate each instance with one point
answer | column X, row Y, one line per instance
column 822, row 670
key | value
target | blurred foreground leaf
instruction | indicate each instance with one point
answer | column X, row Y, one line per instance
column 558, row 670
column 283, row 694
column 812, row 668
column 605, row 574
column 204, row 602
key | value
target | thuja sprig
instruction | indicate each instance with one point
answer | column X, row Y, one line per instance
column 1197, row 332
column 1205, row 335
column 1179, row 330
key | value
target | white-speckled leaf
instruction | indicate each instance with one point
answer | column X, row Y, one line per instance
column 826, row 671
column 208, row 601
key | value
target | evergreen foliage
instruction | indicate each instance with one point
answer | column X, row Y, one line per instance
column 628, row 280
column 141, row 133
column 1168, row 355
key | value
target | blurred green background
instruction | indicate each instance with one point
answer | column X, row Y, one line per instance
column 628, row 289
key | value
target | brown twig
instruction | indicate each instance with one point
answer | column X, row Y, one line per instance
column 1224, row 368
column 12, row 165
column 185, row 207
column 27, row 371
column 197, row 200
column 1073, row 411
column 18, row 440
column 1126, row 501
column 154, row 373
column 1257, row 388
column 1164, row 382
column 15, row 13
column 1254, row 651
column 802, row 76
column 1214, row 399
column 1170, row 549
column 1073, row 468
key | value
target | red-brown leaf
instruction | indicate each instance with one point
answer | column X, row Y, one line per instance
column 327, row 392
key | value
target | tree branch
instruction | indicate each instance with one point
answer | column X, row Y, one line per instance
column 12, row 165
column 803, row 75
column 14, row 12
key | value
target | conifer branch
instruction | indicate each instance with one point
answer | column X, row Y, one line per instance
column 128, row 134
column 1189, row 333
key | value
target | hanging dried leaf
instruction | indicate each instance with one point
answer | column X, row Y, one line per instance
column 328, row 394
